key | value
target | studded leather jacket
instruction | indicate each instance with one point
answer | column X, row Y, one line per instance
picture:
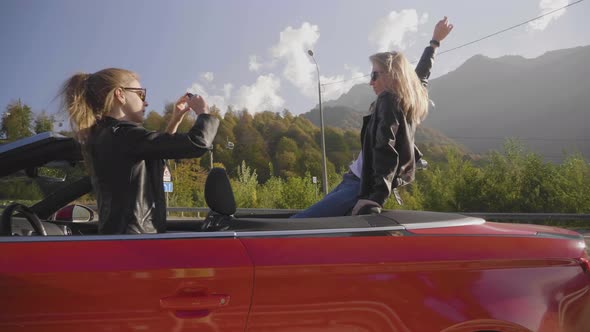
column 127, row 171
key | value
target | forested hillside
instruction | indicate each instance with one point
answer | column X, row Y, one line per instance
column 271, row 159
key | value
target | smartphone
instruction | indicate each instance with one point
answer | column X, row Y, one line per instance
column 190, row 95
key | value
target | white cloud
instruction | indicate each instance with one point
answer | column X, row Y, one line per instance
column 546, row 6
column 299, row 68
column 208, row 77
column 390, row 32
column 335, row 90
column 253, row 63
column 260, row 96
column 292, row 50
column 227, row 90
column 219, row 101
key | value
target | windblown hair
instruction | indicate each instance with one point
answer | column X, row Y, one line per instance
column 88, row 97
column 402, row 80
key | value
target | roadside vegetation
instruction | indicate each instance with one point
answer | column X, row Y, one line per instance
column 272, row 158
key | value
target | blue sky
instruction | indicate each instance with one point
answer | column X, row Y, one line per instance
column 252, row 53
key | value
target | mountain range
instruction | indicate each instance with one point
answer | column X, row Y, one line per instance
column 543, row 102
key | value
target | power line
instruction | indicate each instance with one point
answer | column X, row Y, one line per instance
column 350, row 79
column 510, row 28
column 475, row 41
column 524, row 138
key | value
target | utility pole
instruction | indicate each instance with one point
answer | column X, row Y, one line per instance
column 323, row 139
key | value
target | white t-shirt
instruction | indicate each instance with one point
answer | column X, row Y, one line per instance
column 356, row 167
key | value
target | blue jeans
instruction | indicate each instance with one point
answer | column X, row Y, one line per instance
column 338, row 202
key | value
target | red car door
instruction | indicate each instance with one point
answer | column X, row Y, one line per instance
column 167, row 282
column 319, row 283
column 375, row 281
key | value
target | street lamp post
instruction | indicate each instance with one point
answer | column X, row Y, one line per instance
column 229, row 145
column 325, row 169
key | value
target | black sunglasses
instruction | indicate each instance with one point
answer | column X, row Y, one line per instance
column 141, row 92
column 375, row 75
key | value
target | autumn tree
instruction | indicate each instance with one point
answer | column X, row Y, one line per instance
column 153, row 121
column 251, row 147
column 185, row 125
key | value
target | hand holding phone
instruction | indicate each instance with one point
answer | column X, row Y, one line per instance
column 197, row 103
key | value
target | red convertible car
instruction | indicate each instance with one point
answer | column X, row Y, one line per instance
column 395, row 271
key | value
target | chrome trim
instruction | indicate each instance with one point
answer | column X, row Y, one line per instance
column 162, row 236
column 238, row 234
column 441, row 224
column 187, row 235
column 318, row 231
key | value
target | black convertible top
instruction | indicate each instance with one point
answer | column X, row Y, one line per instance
column 36, row 151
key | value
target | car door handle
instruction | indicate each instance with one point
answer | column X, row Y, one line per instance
column 194, row 302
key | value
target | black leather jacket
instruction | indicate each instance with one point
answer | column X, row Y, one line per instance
column 127, row 170
column 387, row 141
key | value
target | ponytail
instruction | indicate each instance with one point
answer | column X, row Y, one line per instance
column 75, row 102
column 88, row 97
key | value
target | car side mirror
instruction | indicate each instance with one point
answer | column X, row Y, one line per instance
column 52, row 174
column 75, row 213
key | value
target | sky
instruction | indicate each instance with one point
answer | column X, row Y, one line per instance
column 253, row 53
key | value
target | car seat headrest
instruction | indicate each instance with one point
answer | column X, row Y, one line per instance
column 219, row 195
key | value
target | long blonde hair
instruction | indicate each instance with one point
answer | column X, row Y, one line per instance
column 403, row 81
column 88, row 97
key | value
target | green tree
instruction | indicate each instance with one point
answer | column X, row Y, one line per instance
column 502, row 179
column 337, row 149
column 270, row 194
column 286, row 156
column 448, row 185
column 245, row 187
column 43, row 123
column 572, row 186
column 299, row 193
column 538, row 186
column 17, row 121
column 251, row 147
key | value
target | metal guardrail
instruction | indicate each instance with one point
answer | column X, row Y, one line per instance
column 485, row 215
column 241, row 211
column 206, row 209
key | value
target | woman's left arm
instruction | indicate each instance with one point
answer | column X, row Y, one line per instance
column 178, row 112
column 145, row 144
column 441, row 31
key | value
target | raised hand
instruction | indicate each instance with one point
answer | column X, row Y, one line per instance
column 198, row 104
column 442, row 29
column 181, row 107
